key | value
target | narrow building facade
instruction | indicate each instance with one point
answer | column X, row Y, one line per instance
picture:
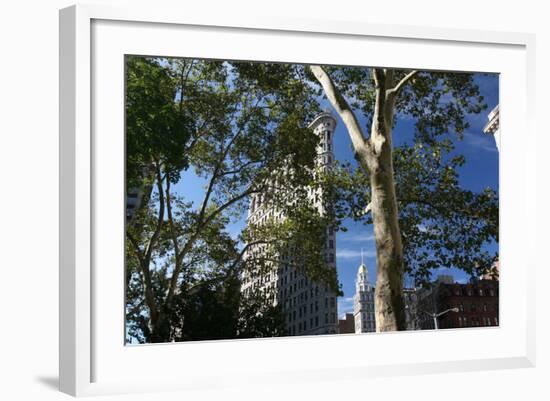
column 309, row 307
column 363, row 301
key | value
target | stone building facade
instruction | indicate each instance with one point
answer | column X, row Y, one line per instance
column 363, row 302
column 492, row 127
column 309, row 307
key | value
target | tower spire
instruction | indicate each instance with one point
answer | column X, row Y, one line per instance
column 362, row 256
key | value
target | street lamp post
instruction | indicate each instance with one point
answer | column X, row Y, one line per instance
column 434, row 316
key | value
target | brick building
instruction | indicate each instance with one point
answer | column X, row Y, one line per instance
column 477, row 303
column 346, row 325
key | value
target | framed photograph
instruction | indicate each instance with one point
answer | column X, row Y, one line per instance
column 290, row 200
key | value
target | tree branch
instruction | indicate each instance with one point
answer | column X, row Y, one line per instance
column 160, row 218
column 177, row 254
column 243, row 251
column 366, row 210
column 241, row 168
column 379, row 131
column 397, row 88
column 360, row 145
column 135, row 245
column 202, row 221
column 146, row 274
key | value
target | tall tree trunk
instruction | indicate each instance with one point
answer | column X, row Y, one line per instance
column 375, row 157
column 160, row 327
column 389, row 305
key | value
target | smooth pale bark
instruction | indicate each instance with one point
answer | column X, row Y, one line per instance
column 375, row 157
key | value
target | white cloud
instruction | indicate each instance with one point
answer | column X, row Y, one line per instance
column 345, row 305
column 359, row 238
column 344, row 253
column 481, row 141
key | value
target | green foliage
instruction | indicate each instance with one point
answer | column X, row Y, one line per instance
column 259, row 317
column 442, row 224
column 242, row 128
column 156, row 129
column 295, row 242
column 438, row 102
column 234, row 125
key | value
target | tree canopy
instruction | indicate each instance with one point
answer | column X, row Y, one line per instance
column 237, row 123
column 242, row 128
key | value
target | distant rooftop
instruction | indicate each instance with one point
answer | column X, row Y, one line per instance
column 324, row 114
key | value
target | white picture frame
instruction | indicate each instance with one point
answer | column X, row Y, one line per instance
column 92, row 351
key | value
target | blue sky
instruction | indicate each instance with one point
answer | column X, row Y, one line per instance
column 479, row 171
